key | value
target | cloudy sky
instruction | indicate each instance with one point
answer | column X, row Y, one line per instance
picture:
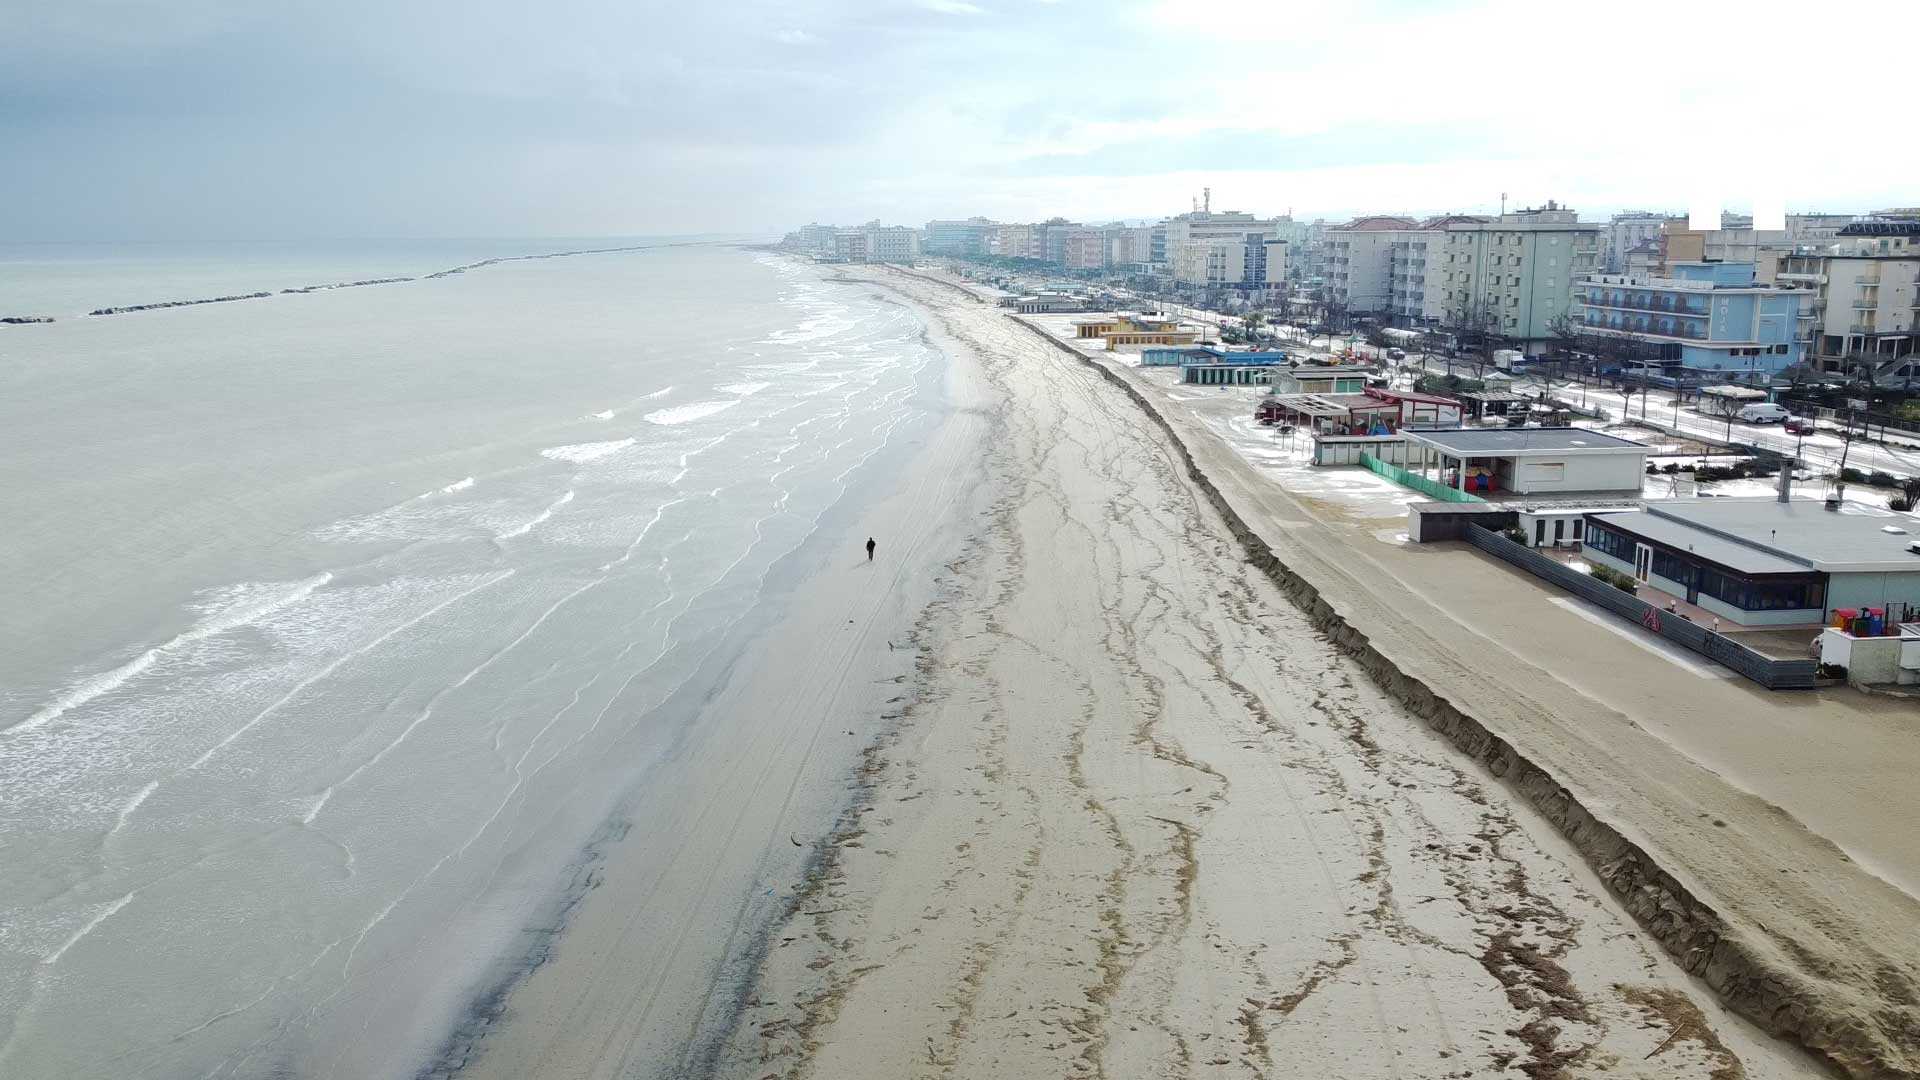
column 180, row 119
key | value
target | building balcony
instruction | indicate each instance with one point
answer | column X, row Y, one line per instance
column 1865, row 303
column 1862, row 328
column 1866, row 281
column 1664, row 305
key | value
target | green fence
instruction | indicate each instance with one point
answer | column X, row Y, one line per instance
column 1417, row 482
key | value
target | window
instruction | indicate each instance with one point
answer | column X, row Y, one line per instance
column 1551, row 283
column 1559, row 529
column 1539, row 531
column 1578, row 524
column 1609, row 542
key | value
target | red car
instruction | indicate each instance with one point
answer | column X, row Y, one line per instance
column 1797, row 426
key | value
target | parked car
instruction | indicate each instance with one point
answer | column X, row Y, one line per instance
column 1764, row 412
column 1396, row 354
column 1797, row 426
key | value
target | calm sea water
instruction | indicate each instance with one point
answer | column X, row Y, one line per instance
column 320, row 615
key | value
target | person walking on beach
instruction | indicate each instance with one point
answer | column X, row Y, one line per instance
column 870, row 547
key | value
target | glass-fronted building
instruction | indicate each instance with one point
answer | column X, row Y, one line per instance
column 1761, row 562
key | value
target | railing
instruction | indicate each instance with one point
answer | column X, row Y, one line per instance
column 1866, row 281
column 1417, row 482
column 1664, row 306
column 1769, row 672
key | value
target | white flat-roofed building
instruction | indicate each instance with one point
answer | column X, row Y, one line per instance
column 1529, row 461
column 1763, row 562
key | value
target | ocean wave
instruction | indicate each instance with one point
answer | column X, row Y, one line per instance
column 686, row 414
column 663, row 392
column 457, row 485
column 745, row 389
column 604, row 414
column 539, row 519
column 230, row 616
column 581, row 453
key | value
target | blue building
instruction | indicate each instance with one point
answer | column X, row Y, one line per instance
column 1187, row 355
column 1709, row 318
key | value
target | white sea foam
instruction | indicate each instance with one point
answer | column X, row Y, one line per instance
column 457, row 485
column 319, row 804
column 659, row 393
column 581, row 453
column 686, row 414
column 541, row 518
column 329, row 669
column 231, row 617
column 604, row 414
column 746, row 389
column 120, row 820
column 103, row 915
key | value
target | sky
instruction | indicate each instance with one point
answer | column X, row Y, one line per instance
column 216, row 119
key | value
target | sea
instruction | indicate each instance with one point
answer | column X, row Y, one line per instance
column 323, row 613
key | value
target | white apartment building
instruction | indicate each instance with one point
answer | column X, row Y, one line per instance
column 1081, row 248
column 874, row 242
column 1866, row 298
column 1010, row 240
column 1129, row 246
column 1358, row 262
column 1198, row 246
column 1515, row 274
column 1385, row 266
column 1625, row 232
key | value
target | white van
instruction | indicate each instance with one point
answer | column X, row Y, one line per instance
column 1765, row 412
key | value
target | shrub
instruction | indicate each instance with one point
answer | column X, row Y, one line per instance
column 1624, row 582
column 1514, row 533
column 1653, row 470
column 1851, row 475
column 1670, row 468
column 1901, row 503
column 1877, row 478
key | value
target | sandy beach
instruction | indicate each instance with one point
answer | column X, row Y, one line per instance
column 1120, row 810
column 1143, row 820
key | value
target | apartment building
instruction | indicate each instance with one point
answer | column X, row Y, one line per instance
column 1231, row 262
column 1012, row 241
column 967, row 237
column 1627, row 231
column 1863, row 295
column 1709, row 317
column 874, row 242
column 1131, row 247
column 1218, row 249
column 1513, row 276
column 1080, row 248
column 1227, row 243
column 1358, row 262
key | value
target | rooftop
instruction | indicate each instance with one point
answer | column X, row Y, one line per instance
column 1497, row 442
column 1801, row 534
column 1681, row 536
column 1325, row 404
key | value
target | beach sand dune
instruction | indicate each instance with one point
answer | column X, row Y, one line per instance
column 1141, row 819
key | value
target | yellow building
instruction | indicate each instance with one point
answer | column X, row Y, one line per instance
column 1136, row 330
